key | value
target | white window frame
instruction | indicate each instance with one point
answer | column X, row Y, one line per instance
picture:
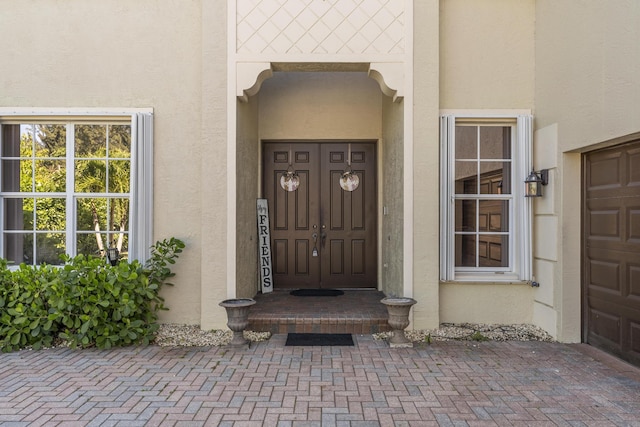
column 141, row 189
column 520, row 247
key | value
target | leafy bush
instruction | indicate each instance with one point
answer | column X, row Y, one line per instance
column 23, row 307
column 86, row 302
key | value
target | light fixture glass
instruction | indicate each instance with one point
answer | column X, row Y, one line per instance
column 533, row 185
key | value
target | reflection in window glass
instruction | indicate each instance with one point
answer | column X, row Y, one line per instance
column 483, row 195
column 105, row 217
column 119, row 141
column 50, row 176
column 90, row 176
column 466, row 250
column 466, row 142
column 35, row 180
column 50, row 214
column 495, row 142
column 49, row 248
column 119, row 174
column 466, row 215
column 495, row 178
column 12, row 178
column 50, row 141
column 91, row 141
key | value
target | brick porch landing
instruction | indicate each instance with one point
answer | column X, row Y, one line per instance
column 355, row 312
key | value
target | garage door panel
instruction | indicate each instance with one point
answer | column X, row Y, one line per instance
column 605, row 325
column 634, row 281
column 619, row 307
column 611, row 250
column 634, row 166
column 605, row 275
column 618, row 248
column 635, row 338
column 604, row 224
column 604, row 171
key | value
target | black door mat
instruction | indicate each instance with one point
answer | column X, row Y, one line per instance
column 319, row 340
column 316, row 292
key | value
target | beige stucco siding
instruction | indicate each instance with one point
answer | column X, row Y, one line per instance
column 587, row 92
column 425, row 160
column 120, row 54
column 486, row 62
column 320, row 105
column 248, row 178
column 214, row 173
column 587, row 64
column 487, row 54
column 390, row 184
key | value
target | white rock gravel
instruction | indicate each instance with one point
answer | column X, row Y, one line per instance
column 475, row 332
column 174, row 335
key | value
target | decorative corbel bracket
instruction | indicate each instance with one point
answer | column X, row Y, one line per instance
column 390, row 77
column 247, row 84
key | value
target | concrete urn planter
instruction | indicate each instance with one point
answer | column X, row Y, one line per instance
column 238, row 317
column 398, row 309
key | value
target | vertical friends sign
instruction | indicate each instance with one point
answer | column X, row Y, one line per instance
column 264, row 247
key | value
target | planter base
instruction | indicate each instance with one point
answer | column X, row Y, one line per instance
column 238, row 319
column 398, row 309
column 404, row 344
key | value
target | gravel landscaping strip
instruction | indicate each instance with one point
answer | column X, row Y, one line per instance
column 475, row 332
column 174, row 335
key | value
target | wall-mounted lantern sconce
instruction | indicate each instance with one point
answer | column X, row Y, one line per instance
column 534, row 182
column 113, row 255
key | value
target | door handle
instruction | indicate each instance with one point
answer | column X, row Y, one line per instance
column 323, row 238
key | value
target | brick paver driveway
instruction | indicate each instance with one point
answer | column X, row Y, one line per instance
column 446, row 384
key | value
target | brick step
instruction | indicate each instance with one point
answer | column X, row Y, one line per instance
column 321, row 325
column 354, row 312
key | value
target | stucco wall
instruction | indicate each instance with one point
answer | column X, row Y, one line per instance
column 320, row 105
column 214, row 174
column 587, row 92
column 390, row 181
column 116, row 53
column 490, row 304
column 248, row 167
column 587, row 77
column 487, row 54
column 486, row 62
column 424, row 135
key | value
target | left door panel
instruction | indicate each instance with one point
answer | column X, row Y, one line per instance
column 293, row 214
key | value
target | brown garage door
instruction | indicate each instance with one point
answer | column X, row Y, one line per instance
column 611, row 250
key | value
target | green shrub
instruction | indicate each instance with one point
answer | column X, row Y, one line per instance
column 24, row 308
column 86, row 302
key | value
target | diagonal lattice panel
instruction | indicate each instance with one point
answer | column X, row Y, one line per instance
column 320, row 26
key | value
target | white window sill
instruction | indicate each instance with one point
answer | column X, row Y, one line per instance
column 491, row 278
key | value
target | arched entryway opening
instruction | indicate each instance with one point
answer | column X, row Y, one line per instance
column 327, row 108
column 317, row 120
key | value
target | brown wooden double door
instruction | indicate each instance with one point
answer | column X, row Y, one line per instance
column 321, row 235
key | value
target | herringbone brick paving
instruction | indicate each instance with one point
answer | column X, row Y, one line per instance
column 269, row 384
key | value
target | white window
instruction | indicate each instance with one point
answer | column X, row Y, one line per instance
column 486, row 220
column 74, row 182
